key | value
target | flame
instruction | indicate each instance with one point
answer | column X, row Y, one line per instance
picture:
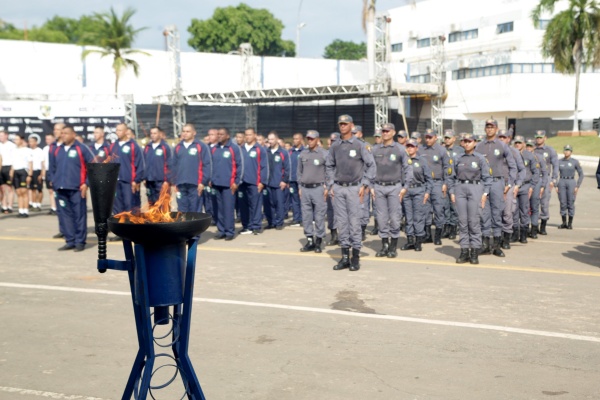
column 158, row 212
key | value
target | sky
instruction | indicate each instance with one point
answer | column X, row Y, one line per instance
column 326, row 20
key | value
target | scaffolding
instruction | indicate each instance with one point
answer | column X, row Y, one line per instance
column 175, row 98
column 382, row 73
column 438, row 78
column 249, row 83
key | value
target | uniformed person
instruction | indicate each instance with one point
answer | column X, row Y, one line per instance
column 100, row 146
column 441, row 170
column 254, row 180
column 330, row 214
column 378, row 140
column 313, row 191
column 538, row 190
column 551, row 158
column 469, row 189
column 521, row 217
column 279, row 178
column 567, row 188
column 365, row 206
column 416, row 198
column 297, row 148
column 510, row 202
column 417, row 136
column 157, row 156
column 350, row 171
column 454, row 151
column 503, row 170
column 392, row 180
column 402, row 137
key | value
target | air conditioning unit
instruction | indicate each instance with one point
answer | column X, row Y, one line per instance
column 412, row 35
column 454, row 28
column 463, row 64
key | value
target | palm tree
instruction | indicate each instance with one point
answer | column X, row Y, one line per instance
column 115, row 36
column 572, row 39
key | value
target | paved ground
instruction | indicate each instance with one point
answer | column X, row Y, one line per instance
column 272, row 323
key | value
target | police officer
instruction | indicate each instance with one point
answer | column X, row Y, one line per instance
column 254, row 180
column 538, row 190
column 503, row 170
column 417, row 136
column 350, row 171
column 330, row 214
column 441, row 169
column 454, row 151
column 402, row 137
column 567, row 188
column 208, row 200
column 415, row 200
column 157, row 156
column 70, row 186
column 297, row 148
column 510, row 202
column 227, row 172
column 313, row 191
column 392, row 180
column 128, row 154
column 279, row 178
column 99, row 148
column 190, row 170
column 521, row 217
column 365, row 206
column 469, row 189
column 551, row 158
column 375, row 231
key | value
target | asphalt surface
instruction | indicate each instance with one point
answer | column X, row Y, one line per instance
column 273, row 323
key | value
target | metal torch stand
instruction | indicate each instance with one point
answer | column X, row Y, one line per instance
column 139, row 382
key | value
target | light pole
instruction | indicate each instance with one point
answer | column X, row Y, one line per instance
column 298, row 27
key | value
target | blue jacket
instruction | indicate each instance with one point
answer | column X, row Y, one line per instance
column 101, row 153
column 228, row 165
column 130, row 156
column 68, row 167
column 294, row 154
column 157, row 161
column 256, row 165
column 191, row 165
column 51, row 160
column 279, row 167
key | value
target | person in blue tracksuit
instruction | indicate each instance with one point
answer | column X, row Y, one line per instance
column 99, row 148
column 128, row 154
column 228, row 169
column 70, row 187
column 279, row 178
column 297, row 148
column 157, row 156
column 208, row 199
column 190, row 170
column 254, row 180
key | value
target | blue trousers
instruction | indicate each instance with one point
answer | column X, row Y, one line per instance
column 72, row 216
column 187, row 198
column 223, row 209
column 491, row 217
column 124, row 199
column 415, row 211
column 275, row 208
column 250, row 206
column 153, row 191
column 295, row 202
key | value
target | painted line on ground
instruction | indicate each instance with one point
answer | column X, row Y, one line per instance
column 454, row 324
column 42, row 393
column 371, row 259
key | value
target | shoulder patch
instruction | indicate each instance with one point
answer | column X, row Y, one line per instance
column 409, row 161
column 368, row 148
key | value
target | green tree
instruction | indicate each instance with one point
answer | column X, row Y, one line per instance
column 78, row 31
column 116, row 35
column 572, row 39
column 231, row 26
column 343, row 50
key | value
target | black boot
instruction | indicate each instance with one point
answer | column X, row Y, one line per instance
column 485, row 248
column 497, row 251
column 363, row 230
column 355, row 261
column 515, row 235
column 428, row 238
column 534, row 231
column 543, row 227
column 392, row 253
column 523, row 236
column 403, row 225
column 570, row 225
column 464, row 256
column 309, row 246
column 375, row 230
column 418, row 241
column 438, row 236
column 446, row 231
column 474, row 256
column 385, row 244
column 453, row 230
column 410, row 244
column 345, row 261
column 334, row 238
column 564, row 224
column 318, row 242
column 506, row 241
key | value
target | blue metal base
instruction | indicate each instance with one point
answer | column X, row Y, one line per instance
column 138, row 384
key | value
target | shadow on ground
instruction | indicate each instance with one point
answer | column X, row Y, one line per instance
column 587, row 253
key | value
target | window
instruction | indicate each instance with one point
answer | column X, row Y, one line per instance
column 424, row 42
column 464, row 35
column 505, row 27
column 425, row 78
column 542, row 24
column 396, row 47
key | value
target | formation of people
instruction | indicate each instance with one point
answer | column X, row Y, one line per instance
column 489, row 193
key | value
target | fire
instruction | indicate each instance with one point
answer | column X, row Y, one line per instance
column 158, row 212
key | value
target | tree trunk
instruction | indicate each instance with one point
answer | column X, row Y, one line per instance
column 116, row 84
column 578, row 55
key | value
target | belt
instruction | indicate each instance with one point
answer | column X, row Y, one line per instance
column 387, row 183
column 526, row 182
column 415, row 185
column 497, row 178
column 311, row 185
column 470, row 182
column 567, row 177
column 437, row 179
column 346, row 184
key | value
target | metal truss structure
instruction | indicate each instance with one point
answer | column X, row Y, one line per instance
column 437, row 78
column 130, row 117
column 249, row 83
column 382, row 74
column 175, row 98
